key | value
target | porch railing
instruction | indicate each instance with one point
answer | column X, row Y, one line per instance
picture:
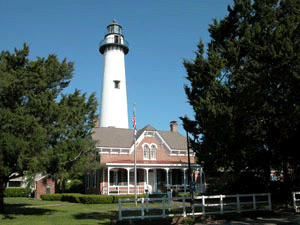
column 122, row 190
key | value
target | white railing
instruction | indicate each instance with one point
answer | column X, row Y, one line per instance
column 181, row 206
column 296, row 200
column 119, row 190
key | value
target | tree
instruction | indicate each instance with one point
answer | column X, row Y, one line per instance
column 245, row 91
column 42, row 130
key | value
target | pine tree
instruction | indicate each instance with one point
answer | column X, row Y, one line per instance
column 42, row 130
column 245, row 92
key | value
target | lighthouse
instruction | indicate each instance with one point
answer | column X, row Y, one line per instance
column 114, row 111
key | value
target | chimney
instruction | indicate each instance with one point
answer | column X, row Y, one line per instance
column 174, row 126
column 96, row 122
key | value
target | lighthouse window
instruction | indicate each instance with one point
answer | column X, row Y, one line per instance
column 117, row 39
column 117, row 84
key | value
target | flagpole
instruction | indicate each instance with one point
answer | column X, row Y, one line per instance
column 135, row 172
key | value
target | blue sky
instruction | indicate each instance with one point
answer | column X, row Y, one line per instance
column 161, row 33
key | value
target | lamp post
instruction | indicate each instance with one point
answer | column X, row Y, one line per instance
column 190, row 180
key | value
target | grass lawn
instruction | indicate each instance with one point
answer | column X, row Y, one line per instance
column 32, row 211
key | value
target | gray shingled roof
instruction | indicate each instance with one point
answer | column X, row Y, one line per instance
column 123, row 138
column 113, row 137
column 174, row 140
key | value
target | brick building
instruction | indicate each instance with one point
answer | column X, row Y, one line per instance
column 162, row 161
column 45, row 185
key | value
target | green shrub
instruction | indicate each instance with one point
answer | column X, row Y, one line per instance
column 76, row 186
column 96, row 199
column 87, row 199
column 17, row 192
column 71, row 197
column 51, row 197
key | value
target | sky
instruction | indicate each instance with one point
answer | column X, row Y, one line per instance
column 161, row 34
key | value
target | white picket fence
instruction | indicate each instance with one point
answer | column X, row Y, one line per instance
column 296, row 200
column 203, row 205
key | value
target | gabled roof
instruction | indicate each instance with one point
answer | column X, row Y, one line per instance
column 113, row 137
column 123, row 138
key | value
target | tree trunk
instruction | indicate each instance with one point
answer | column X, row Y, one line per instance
column 63, row 185
column 2, row 188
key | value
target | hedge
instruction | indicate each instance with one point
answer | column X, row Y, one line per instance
column 17, row 192
column 71, row 198
column 87, row 199
column 96, row 199
column 52, row 197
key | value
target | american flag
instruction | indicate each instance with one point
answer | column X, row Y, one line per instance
column 133, row 121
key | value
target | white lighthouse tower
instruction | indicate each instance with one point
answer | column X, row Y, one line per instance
column 114, row 112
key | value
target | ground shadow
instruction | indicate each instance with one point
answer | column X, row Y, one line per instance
column 111, row 218
column 22, row 209
column 100, row 217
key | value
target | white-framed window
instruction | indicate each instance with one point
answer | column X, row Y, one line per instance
column 113, row 178
column 146, row 152
column 153, row 152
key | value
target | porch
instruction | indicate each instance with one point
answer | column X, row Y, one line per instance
column 150, row 178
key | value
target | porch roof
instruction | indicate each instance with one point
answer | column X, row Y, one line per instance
column 160, row 164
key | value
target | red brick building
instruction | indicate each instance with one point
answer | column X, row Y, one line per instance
column 162, row 161
column 45, row 185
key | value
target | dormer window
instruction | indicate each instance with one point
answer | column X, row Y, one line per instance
column 149, row 151
column 153, row 152
column 117, row 84
column 146, row 152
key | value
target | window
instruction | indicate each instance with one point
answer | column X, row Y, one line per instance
column 48, row 188
column 146, row 152
column 120, row 175
column 139, row 177
column 117, row 39
column 113, row 178
column 153, row 152
column 131, row 177
column 14, row 184
column 149, row 151
column 117, row 84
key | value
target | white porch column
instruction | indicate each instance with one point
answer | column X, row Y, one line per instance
column 108, row 179
column 167, row 177
column 184, row 179
column 128, row 179
column 147, row 176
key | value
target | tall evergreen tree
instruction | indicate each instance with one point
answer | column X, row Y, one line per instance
column 245, row 92
column 42, row 130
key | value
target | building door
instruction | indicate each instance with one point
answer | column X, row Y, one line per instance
column 152, row 181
